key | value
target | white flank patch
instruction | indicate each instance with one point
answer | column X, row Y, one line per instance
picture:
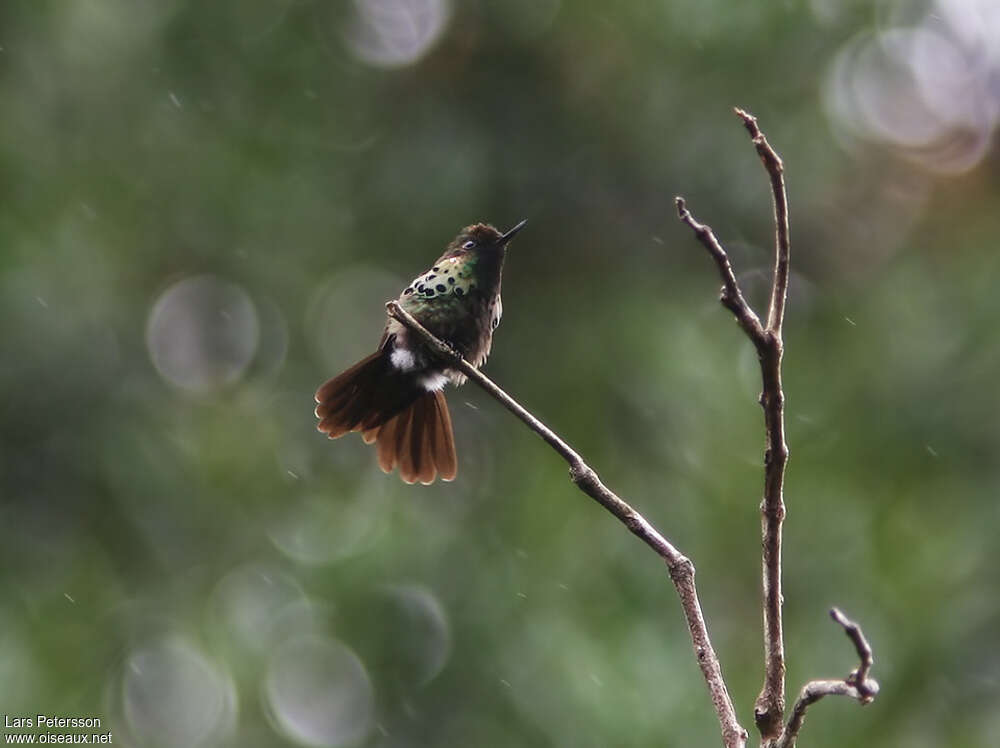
column 433, row 382
column 403, row 359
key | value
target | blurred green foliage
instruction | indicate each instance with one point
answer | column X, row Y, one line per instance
column 204, row 207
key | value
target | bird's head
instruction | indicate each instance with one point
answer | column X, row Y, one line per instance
column 482, row 238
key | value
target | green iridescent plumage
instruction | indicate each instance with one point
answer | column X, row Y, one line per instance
column 458, row 297
column 446, row 284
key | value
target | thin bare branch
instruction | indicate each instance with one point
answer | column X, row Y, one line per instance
column 586, row 479
column 769, row 708
column 776, row 172
column 857, row 685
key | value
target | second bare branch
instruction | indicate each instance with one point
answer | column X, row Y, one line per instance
column 770, row 705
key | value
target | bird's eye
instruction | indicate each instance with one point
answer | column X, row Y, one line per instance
column 469, row 244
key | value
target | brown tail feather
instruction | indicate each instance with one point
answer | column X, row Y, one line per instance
column 421, row 439
column 386, row 446
column 404, row 455
column 410, row 427
column 341, row 383
column 418, row 441
column 364, row 397
column 443, row 440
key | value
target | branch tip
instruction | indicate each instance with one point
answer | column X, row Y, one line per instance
column 867, row 688
column 857, row 685
column 748, row 119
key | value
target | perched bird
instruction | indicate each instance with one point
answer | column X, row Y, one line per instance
column 394, row 396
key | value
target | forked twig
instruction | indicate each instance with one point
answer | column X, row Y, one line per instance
column 767, row 339
column 769, row 708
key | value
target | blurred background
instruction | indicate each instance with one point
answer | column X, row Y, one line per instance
column 204, row 208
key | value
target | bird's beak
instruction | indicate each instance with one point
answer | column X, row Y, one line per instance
column 510, row 234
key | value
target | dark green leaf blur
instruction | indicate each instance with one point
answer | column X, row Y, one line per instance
column 204, row 207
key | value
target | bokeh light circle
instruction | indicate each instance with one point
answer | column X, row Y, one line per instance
column 925, row 86
column 202, row 333
column 394, row 33
column 420, row 640
column 325, row 528
column 253, row 602
column 317, row 693
column 345, row 314
column 173, row 696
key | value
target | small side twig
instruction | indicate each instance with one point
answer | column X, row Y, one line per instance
column 731, row 296
column 586, row 479
column 857, row 685
column 767, row 339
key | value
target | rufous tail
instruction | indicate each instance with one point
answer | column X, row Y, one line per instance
column 410, row 426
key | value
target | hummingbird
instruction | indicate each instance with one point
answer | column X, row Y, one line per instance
column 394, row 396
